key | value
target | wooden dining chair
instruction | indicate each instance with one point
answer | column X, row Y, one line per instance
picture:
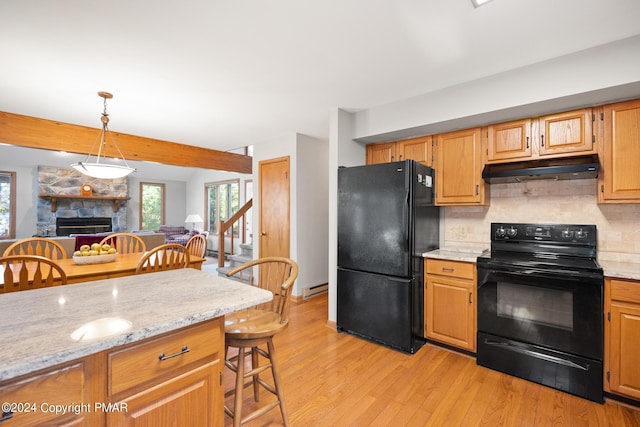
column 169, row 256
column 197, row 245
column 254, row 327
column 125, row 243
column 24, row 272
column 38, row 246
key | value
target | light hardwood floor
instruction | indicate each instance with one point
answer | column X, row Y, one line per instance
column 333, row 379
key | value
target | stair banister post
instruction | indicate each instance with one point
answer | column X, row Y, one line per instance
column 220, row 244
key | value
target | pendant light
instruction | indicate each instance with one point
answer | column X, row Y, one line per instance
column 103, row 170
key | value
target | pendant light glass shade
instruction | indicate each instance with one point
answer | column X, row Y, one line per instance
column 103, row 170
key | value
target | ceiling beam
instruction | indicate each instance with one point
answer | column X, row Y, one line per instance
column 33, row 132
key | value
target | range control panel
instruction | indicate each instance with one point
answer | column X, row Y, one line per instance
column 550, row 233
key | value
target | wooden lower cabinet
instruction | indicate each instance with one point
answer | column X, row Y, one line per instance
column 174, row 379
column 62, row 395
column 622, row 335
column 450, row 303
column 186, row 400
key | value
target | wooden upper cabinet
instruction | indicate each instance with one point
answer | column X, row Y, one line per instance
column 570, row 132
column 556, row 135
column 383, row 152
column 459, row 168
column 509, row 141
column 418, row 149
column 619, row 177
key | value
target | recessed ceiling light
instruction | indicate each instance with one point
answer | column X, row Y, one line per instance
column 478, row 3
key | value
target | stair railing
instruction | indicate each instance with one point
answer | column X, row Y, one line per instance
column 223, row 226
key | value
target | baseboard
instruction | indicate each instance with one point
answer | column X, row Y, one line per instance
column 315, row 290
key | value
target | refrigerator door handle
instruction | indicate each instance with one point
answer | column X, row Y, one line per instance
column 405, row 219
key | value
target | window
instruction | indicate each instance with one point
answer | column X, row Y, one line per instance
column 223, row 200
column 7, row 205
column 151, row 205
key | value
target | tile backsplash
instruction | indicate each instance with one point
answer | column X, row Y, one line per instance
column 561, row 202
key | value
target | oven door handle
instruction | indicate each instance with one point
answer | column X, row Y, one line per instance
column 536, row 354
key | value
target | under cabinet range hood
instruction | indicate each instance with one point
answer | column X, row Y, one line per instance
column 579, row 167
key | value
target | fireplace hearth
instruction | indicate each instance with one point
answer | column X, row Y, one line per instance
column 67, row 226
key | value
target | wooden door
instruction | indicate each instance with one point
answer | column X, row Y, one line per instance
column 619, row 178
column 570, row 132
column 384, row 152
column 459, row 168
column 509, row 141
column 274, row 216
column 418, row 149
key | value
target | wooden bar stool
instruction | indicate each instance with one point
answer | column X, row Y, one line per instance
column 256, row 326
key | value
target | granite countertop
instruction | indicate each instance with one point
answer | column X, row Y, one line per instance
column 455, row 254
column 622, row 270
column 37, row 325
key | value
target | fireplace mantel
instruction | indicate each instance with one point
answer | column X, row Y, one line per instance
column 54, row 199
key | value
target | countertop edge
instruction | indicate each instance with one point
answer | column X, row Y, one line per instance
column 464, row 255
column 48, row 348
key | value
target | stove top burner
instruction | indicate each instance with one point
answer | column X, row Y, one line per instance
column 543, row 246
column 541, row 261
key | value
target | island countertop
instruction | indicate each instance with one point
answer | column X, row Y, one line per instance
column 37, row 325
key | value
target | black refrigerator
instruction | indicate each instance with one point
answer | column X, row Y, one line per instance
column 386, row 221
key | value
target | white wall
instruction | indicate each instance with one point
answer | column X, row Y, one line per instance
column 308, row 238
column 594, row 76
column 342, row 152
column 175, row 195
column 312, row 214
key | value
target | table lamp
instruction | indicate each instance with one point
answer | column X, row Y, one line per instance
column 193, row 218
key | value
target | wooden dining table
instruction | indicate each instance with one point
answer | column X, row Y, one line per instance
column 124, row 265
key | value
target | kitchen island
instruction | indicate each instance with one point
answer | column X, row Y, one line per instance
column 130, row 348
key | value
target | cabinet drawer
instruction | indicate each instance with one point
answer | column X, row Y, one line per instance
column 156, row 359
column 463, row 270
column 625, row 290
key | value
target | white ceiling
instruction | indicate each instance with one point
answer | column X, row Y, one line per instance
column 228, row 73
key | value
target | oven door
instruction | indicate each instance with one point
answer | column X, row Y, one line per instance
column 557, row 309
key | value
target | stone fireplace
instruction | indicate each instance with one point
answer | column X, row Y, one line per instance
column 90, row 213
column 67, row 226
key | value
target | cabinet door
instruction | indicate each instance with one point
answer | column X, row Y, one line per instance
column 459, row 168
column 619, row 178
column 418, row 149
column 450, row 311
column 384, row 152
column 75, row 386
column 624, row 352
column 509, row 141
column 570, row 132
column 191, row 399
